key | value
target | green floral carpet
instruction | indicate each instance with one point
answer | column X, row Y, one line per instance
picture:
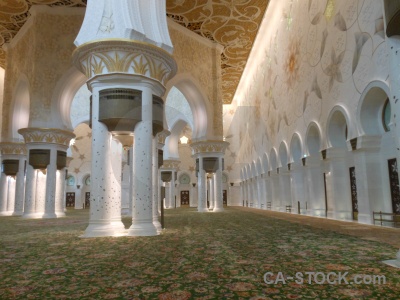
column 199, row 256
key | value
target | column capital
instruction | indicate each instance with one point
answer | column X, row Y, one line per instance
column 313, row 161
column 47, row 136
column 333, row 153
column 105, row 57
column 126, row 139
column 365, row 143
column 170, row 164
column 209, row 147
column 115, row 38
column 295, row 166
column 284, row 170
column 9, row 148
column 161, row 136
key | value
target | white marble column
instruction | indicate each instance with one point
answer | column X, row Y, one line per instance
column 142, row 207
column 254, row 191
column 116, row 190
column 131, row 180
column 249, row 192
column 263, row 183
column 42, row 160
column 218, row 199
column 275, row 192
column 202, row 188
column 241, row 192
column 3, row 194
column 40, row 193
column 172, row 190
column 167, row 195
column 298, row 188
column 316, row 189
column 156, row 179
column 156, row 53
column 393, row 47
column 367, row 163
column 243, row 189
column 268, row 190
column 102, row 198
column 11, row 196
column 50, row 208
column 260, row 195
column 60, row 191
column 30, row 192
column 20, row 188
column 285, row 189
column 339, row 180
column 211, row 191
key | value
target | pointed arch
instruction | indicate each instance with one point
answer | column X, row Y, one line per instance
column 296, row 147
column 283, row 154
column 338, row 129
column 201, row 108
column 370, row 108
column 259, row 166
column 273, row 159
column 313, row 143
column 265, row 163
column 63, row 96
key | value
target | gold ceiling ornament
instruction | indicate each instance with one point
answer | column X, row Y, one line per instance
column 13, row 148
column 209, row 147
column 14, row 14
column 124, row 56
column 170, row 164
column 231, row 23
column 47, row 136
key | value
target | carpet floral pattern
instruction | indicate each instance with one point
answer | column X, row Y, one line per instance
column 198, row 256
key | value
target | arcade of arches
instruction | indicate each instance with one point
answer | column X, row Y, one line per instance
column 311, row 129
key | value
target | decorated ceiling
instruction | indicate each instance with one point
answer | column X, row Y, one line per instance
column 231, row 23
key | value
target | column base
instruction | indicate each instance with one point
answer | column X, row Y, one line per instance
column 342, row 215
column 119, row 228
column 394, row 262
column 49, row 216
column 103, row 230
column 6, row 213
column 18, row 213
column 157, row 225
column 142, row 229
column 60, row 214
column 317, row 212
column 32, row 216
column 365, row 219
column 218, row 209
column 202, row 209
